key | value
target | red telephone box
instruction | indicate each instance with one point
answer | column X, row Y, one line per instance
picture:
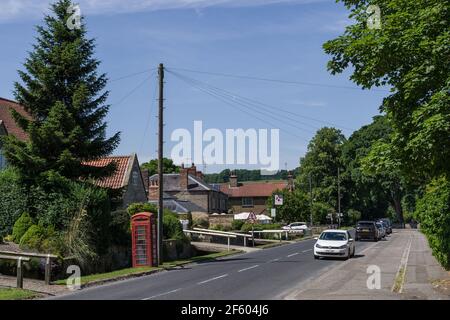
column 144, row 240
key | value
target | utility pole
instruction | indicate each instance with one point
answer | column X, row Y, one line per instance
column 310, row 200
column 339, row 197
column 160, row 163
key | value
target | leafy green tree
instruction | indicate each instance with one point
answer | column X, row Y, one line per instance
column 321, row 162
column 65, row 97
column 382, row 165
column 152, row 166
column 410, row 53
column 295, row 206
column 371, row 190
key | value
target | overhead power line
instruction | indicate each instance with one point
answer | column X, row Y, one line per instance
column 302, row 83
column 266, row 107
column 233, row 105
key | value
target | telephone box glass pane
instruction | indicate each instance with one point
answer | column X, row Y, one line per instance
column 141, row 245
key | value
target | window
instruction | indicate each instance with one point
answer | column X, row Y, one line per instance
column 247, row 202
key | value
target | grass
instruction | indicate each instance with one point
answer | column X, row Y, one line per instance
column 129, row 272
column 112, row 275
column 16, row 294
column 399, row 280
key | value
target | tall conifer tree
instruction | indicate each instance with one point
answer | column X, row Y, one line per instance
column 65, row 97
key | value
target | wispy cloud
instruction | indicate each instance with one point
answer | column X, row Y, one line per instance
column 22, row 9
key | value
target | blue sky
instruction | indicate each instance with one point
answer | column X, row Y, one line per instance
column 276, row 39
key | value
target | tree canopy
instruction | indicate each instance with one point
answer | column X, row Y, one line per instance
column 65, row 97
column 410, row 53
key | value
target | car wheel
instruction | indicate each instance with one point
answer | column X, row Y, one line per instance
column 376, row 239
column 316, row 257
column 349, row 254
column 353, row 254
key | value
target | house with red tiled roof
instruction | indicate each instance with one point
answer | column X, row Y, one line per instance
column 127, row 181
column 8, row 125
column 252, row 196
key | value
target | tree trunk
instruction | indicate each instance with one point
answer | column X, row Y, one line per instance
column 396, row 204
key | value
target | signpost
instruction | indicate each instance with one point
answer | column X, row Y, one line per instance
column 273, row 212
column 278, row 199
column 252, row 219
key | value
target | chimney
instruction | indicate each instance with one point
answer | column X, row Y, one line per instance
column 290, row 181
column 184, row 177
column 199, row 175
column 153, row 190
column 233, row 180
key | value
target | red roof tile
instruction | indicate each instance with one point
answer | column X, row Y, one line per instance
column 118, row 179
column 8, row 120
column 264, row 189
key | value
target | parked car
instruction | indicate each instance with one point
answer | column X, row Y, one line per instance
column 381, row 230
column 334, row 243
column 296, row 226
column 366, row 230
column 387, row 224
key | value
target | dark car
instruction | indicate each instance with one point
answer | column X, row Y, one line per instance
column 387, row 225
column 366, row 230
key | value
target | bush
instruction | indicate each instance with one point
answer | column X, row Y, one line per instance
column 221, row 227
column 142, row 207
column 172, row 227
column 246, row 227
column 41, row 239
column 433, row 213
column 13, row 200
column 237, row 224
column 200, row 223
column 21, row 226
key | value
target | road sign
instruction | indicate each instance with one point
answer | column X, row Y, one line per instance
column 278, row 199
column 273, row 212
column 251, row 217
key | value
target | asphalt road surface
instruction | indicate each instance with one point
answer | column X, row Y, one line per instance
column 264, row 274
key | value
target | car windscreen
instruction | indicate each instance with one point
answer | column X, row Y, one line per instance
column 365, row 225
column 336, row 236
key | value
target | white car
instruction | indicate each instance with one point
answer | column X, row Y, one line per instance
column 334, row 243
column 296, row 226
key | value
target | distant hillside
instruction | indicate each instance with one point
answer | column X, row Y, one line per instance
column 246, row 175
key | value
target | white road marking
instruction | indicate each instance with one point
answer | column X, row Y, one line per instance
column 162, row 294
column 306, row 250
column 273, row 260
column 215, row 278
column 252, row 267
column 291, row 255
column 401, row 273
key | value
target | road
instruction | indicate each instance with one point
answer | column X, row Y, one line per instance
column 264, row 274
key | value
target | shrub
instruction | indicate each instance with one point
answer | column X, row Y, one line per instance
column 42, row 239
column 246, row 227
column 237, row 224
column 142, row 207
column 433, row 213
column 21, row 226
column 200, row 223
column 13, row 200
column 172, row 227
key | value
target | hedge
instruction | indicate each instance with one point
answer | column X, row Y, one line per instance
column 433, row 213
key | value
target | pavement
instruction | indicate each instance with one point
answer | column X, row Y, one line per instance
column 404, row 249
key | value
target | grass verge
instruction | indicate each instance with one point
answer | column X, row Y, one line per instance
column 16, row 294
column 141, row 271
column 118, row 274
